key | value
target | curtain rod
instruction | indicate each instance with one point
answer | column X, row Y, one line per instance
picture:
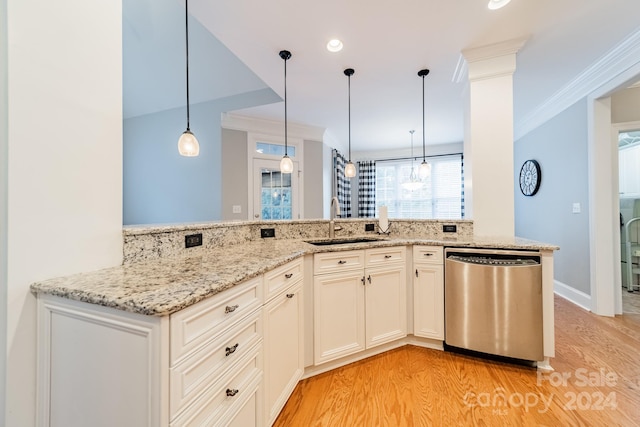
column 414, row 157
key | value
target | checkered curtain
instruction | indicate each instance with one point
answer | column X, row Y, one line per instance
column 341, row 185
column 367, row 189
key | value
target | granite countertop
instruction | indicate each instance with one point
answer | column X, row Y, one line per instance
column 164, row 286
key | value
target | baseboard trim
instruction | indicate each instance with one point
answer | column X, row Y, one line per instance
column 573, row 295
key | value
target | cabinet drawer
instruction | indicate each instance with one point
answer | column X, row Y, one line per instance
column 332, row 262
column 429, row 254
column 382, row 256
column 207, row 364
column 282, row 277
column 195, row 325
column 226, row 396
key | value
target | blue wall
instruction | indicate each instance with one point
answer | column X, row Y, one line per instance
column 560, row 147
column 160, row 186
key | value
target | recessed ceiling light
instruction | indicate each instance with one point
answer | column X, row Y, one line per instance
column 334, row 45
column 497, row 4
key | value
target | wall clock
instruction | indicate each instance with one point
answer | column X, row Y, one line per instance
column 530, row 177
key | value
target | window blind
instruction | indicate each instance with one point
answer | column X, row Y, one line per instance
column 436, row 196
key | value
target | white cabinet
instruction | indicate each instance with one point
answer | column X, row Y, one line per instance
column 359, row 301
column 200, row 366
column 629, row 171
column 283, row 345
column 428, row 292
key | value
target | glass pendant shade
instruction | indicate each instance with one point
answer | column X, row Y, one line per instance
column 286, row 165
column 188, row 144
column 425, row 170
column 350, row 169
column 497, row 4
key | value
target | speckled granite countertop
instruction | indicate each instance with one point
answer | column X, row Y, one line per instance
column 164, row 286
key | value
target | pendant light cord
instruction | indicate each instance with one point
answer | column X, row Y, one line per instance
column 423, row 149
column 349, row 86
column 186, row 14
column 285, row 55
column 285, row 106
column 423, row 73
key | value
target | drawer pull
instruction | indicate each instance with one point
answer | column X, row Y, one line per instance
column 288, row 275
column 232, row 392
column 428, row 254
column 342, row 262
column 290, row 295
column 230, row 308
column 387, row 256
column 231, row 350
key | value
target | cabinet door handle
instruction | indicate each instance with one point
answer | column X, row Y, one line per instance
column 230, row 308
column 362, row 280
column 231, row 350
column 369, row 278
column 416, row 272
column 290, row 295
column 387, row 256
column 342, row 262
column 232, row 392
column 288, row 275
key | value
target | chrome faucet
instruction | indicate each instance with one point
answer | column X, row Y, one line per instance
column 334, row 211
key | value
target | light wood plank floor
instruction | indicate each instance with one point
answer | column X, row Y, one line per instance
column 596, row 383
column 630, row 301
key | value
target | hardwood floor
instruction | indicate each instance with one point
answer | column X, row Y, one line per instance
column 596, row 383
column 630, row 301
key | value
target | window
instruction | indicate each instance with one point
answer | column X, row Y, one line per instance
column 437, row 196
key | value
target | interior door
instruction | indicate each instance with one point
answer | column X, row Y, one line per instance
column 275, row 195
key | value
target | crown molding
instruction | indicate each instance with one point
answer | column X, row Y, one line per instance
column 617, row 61
column 482, row 53
column 271, row 127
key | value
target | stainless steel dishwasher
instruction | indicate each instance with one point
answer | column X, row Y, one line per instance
column 493, row 302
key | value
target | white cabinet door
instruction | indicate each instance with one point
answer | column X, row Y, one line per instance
column 428, row 301
column 338, row 315
column 284, row 346
column 386, row 305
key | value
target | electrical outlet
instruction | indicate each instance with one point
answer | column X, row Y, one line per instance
column 449, row 228
column 267, row 232
column 236, row 209
column 193, row 240
column 576, row 208
column 369, row 227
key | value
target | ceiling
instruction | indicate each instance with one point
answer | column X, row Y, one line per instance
column 385, row 42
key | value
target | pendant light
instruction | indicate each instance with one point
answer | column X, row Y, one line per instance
column 188, row 143
column 350, row 168
column 425, row 168
column 286, row 165
column 413, row 183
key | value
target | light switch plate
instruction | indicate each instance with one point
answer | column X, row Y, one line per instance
column 576, row 208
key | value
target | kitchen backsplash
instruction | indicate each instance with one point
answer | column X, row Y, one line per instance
column 154, row 242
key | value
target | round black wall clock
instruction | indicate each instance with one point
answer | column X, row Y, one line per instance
column 530, row 177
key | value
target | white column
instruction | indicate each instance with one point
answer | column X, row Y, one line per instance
column 488, row 145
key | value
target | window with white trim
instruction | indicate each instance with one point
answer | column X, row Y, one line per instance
column 438, row 196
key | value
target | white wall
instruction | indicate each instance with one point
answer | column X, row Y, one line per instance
column 64, row 197
column 3, row 205
column 625, row 105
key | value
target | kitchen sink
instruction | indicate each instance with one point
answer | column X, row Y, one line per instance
column 343, row 240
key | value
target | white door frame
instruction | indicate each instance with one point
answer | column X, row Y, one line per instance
column 298, row 160
column 604, row 238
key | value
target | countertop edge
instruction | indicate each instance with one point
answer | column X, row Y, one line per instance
column 174, row 293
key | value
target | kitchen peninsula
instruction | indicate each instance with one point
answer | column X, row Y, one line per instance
column 223, row 331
